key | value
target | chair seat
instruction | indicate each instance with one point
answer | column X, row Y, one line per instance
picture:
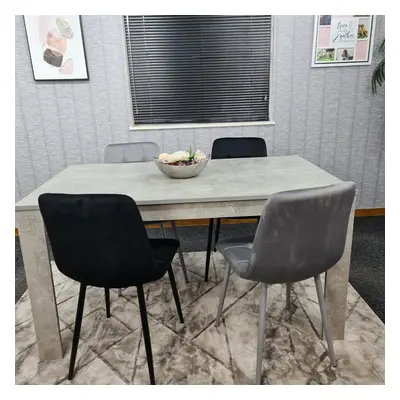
column 163, row 251
column 237, row 252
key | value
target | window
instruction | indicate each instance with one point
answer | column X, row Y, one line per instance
column 199, row 69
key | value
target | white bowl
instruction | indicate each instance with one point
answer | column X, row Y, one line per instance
column 181, row 171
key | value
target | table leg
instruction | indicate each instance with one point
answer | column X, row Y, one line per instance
column 39, row 278
column 336, row 284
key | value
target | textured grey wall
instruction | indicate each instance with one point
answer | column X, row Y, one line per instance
column 326, row 115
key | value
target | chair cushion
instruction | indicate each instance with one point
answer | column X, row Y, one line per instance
column 237, row 252
column 163, row 250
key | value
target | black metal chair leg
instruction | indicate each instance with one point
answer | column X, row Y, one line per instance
column 217, row 232
column 209, row 244
column 175, row 292
column 77, row 330
column 146, row 333
column 107, row 293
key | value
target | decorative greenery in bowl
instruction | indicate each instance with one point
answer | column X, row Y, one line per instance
column 182, row 157
column 181, row 164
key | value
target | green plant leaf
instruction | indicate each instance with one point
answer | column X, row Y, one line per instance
column 378, row 76
column 191, row 154
column 382, row 47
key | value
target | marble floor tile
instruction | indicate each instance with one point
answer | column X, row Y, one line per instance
column 359, row 363
column 62, row 324
column 95, row 298
column 306, row 289
column 111, row 350
column 66, row 290
column 195, row 262
column 23, row 311
column 160, row 301
column 363, row 325
column 126, row 312
column 30, row 371
column 58, row 277
column 24, row 336
column 291, row 347
column 178, row 362
column 159, row 298
column 130, row 293
column 307, row 296
column 201, row 313
column 123, row 355
column 101, row 332
column 95, row 373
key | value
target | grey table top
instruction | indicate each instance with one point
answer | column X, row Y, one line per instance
column 221, row 180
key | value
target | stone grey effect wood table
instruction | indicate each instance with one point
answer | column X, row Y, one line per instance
column 226, row 188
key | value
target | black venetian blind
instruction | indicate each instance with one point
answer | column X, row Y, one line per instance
column 199, row 69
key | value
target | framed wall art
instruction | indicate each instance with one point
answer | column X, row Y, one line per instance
column 343, row 40
column 56, row 47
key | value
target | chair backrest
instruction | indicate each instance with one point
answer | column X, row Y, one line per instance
column 97, row 239
column 131, row 152
column 238, row 147
column 302, row 233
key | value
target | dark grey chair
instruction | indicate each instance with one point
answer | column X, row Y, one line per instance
column 140, row 152
column 301, row 234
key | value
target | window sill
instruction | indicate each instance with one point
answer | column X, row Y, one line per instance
column 188, row 126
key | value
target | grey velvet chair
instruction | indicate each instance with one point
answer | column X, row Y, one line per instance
column 131, row 152
column 301, row 234
column 140, row 152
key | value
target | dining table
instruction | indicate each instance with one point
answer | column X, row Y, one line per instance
column 225, row 188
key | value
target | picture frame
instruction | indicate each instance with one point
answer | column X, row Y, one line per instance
column 56, row 47
column 343, row 40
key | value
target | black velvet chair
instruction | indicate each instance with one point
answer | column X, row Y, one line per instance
column 231, row 147
column 100, row 240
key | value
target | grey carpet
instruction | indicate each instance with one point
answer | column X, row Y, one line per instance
column 367, row 272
